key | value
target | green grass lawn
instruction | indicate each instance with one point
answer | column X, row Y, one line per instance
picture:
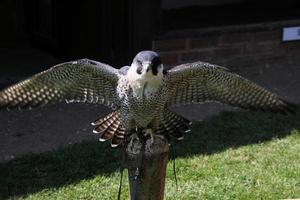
column 235, row 155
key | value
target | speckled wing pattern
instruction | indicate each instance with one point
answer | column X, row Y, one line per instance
column 78, row 81
column 200, row 82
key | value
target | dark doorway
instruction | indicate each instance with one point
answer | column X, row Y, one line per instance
column 111, row 31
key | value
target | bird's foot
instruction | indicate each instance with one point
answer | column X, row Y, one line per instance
column 149, row 132
column 135, row 137
column 132, row 138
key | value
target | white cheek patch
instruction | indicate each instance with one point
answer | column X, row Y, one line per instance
column 161, row 68
column 145, row 84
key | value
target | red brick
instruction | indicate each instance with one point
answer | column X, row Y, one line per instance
column 291, row 46
column 229, row 51
column 169, row 59
column 238, row 62
column 250, row 37
column 170, row 45
column 230, row 38
column 191, row 56
column 264, row 36
column 204, row 42
column 263, row 48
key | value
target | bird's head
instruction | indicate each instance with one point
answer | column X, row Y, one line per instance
column 147, row 63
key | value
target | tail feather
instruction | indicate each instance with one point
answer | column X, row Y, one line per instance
column 173, row 125
column 109, row 117
column 107, row 134
column 118, row 138
column 110, row 128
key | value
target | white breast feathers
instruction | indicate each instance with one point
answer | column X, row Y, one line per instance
column 143, row 85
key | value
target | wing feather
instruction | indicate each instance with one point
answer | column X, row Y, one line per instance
column 200, row 82
column 78, row 81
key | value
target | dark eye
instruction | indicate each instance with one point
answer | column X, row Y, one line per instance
column 139, row 67
column 139, row 62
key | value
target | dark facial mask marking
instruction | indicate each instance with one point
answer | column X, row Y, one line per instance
column 139, row 67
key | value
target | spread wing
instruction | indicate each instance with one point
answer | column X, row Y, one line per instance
column 200, row 82
column 79, row 81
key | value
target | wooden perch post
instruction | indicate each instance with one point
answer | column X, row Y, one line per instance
column 147, row 164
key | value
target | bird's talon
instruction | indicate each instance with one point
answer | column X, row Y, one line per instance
column 149, row 132
column 132, row 138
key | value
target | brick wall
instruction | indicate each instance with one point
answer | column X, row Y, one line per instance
column 236, row 47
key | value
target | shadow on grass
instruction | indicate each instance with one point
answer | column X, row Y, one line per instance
column 33, row 173
column 234, row 129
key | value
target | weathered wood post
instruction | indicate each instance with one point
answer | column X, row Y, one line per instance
column 147, row 164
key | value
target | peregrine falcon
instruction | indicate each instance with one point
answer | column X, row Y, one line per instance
column 140, row 95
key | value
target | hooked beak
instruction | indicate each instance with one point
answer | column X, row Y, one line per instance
column 147, row 66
